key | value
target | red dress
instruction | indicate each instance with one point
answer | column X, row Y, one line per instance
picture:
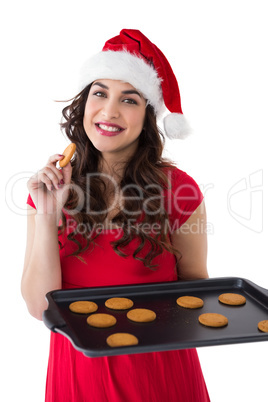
column 147, row 377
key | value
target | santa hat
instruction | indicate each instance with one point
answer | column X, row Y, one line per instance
column 133, row 58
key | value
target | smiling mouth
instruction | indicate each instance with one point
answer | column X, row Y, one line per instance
column 108, row 130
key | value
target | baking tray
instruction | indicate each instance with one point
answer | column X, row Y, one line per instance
column 174, row 327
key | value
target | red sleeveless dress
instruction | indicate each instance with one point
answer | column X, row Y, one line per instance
column 147, row 377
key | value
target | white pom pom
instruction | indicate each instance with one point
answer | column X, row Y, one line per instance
column 176, row 126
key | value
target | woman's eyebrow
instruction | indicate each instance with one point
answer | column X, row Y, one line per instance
column 127, row 92
column 131, row 92
column 100, row 85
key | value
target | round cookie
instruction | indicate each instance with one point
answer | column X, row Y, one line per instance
column 122, row 339
column 83, row 307
column 101, row 320
column 190, row 302
column 68, row 153
column 141, row 315
column 232, row 299
column 263, row 326
column 119, row 303
column 213, row 320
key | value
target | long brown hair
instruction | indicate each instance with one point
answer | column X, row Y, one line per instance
column 145, row 171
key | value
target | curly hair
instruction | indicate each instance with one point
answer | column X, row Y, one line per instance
column 144, row 172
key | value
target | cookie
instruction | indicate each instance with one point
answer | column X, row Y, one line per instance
column 83, row 307
column 121, row 339
column 232, row 299
column 119, row 303
column 213, row 320
column 141, row 315
column 190, row 302
column 68, row 153
column 263, row 326
column 101, row 320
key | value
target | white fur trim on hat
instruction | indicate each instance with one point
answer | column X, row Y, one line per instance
column 176, row 126
column 123, row 66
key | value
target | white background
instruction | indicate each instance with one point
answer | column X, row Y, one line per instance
column 218, row 50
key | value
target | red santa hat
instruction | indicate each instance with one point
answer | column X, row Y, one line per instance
column 133, row 58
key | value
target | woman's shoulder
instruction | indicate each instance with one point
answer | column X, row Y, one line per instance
column 177, row 177
column 182, row 196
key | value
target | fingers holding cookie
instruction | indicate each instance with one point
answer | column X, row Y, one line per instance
column 50, row 175
column 48, row 186
column 53, row 177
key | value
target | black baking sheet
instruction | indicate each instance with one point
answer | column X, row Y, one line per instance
column 174, row 328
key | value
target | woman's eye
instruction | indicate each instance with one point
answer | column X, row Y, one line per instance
column 130, row 101
column 99, row 94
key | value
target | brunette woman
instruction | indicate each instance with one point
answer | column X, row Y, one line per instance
column 117, row 214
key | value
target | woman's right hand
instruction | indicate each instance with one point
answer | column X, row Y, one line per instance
column 49, row 187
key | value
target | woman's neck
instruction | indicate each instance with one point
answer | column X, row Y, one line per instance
column 112, row 167
column 114, row 164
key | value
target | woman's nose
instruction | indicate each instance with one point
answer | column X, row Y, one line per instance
column 110, row 109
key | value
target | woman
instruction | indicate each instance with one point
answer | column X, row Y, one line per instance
column 117, row 214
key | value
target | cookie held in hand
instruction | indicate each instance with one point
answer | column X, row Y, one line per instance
column 68, row 153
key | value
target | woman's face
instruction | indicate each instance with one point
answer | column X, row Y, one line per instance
column 114, row 117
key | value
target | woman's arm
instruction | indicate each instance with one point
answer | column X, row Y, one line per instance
column 42, row 269
column 191, row 242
